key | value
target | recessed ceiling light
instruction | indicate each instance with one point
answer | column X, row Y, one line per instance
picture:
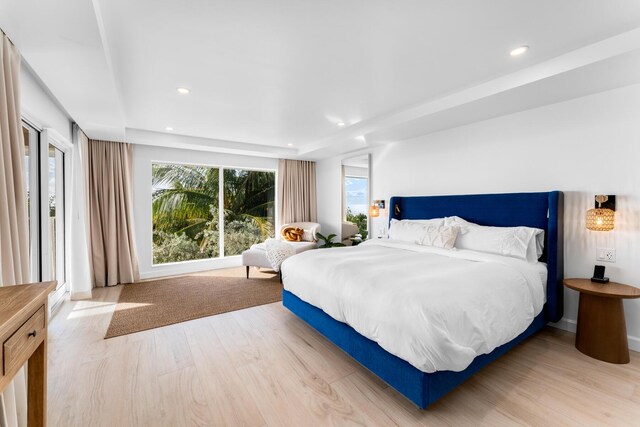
column 183, row 91
column 290, row 144
column 169, row 128
column 519, row 50
column 340, row 124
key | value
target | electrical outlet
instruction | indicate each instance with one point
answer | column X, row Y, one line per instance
column 606, row 255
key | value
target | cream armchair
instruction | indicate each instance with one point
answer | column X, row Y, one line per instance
column 256, row 256
column 349, row 230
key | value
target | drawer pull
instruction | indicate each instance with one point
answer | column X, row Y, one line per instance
column 32, row 334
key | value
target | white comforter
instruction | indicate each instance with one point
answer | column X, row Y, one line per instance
column 437, row 309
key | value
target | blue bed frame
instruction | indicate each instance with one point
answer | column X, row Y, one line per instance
column 540, row 210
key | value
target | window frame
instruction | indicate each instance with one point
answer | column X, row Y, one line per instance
column 221, row 168
column 39, row 208
column 35, row 200
column 369, row 155
column 51, row 137
column 346, row 206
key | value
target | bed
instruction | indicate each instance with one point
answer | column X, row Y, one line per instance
column 424, row 373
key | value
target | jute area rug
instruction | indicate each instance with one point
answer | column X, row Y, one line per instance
column 155, row 303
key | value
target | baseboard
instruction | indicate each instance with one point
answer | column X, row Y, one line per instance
column 570, row 325
column 174, row 269
column 566, row 325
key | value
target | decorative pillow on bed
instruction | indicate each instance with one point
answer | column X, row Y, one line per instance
column 520, row 242
column 292, row 234
column 443, row 236
column 410, row 231
column 434, row 221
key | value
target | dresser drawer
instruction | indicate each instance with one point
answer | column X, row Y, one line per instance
column 17, row 348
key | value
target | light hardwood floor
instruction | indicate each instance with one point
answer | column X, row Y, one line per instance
column 263, row 366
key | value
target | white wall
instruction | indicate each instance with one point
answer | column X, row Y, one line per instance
column 583, row 147
column 143, row 157
column 39, row 107
column 329, row 193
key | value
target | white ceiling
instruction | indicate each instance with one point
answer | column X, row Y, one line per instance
column 287, row 71
column 61, row 41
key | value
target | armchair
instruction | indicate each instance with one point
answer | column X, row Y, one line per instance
column 256, row 256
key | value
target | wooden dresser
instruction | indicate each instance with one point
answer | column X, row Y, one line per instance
column 23, row 334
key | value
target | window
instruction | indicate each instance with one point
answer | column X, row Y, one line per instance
column 357, row 205
column 187, row 222
column 185, row 213
column 248, row 208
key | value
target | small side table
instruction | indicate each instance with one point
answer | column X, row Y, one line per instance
column 602, row 331
column 24, row 318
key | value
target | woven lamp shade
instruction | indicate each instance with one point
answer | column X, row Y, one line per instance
column 374, row 211
column 600, row 219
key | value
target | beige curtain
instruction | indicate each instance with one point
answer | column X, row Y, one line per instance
column 14, row 233
column 113, row 250
column 297, row 199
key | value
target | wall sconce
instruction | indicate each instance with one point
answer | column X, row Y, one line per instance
column 602, row 217
column 377, row 208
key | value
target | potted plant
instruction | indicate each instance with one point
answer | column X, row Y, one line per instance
column 328, row 241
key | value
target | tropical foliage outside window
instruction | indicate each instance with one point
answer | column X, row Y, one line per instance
column 249, row 214
column 186, row 203
column 360, row 220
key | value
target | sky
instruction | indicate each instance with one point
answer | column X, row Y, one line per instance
column 357, row 194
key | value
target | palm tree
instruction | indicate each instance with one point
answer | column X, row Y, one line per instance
column 183, row 197
column 185, row 200
column 250, row 195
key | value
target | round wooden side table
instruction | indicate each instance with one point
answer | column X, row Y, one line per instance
column 602, row 331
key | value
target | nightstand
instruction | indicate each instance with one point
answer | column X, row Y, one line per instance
column 24, row 318
column 602, row 331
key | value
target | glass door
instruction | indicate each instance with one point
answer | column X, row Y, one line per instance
column 31, row 145
column 52, row 215
column 55, row 217
column 44, row 169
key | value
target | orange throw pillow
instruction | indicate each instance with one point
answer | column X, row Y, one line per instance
column 292, row 234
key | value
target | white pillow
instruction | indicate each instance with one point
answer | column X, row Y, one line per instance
column 426, row 232
column 308, row 236
column 407, row 231
column 520, row 242
column 440, row 236
column 539, row 243
column 432, row 221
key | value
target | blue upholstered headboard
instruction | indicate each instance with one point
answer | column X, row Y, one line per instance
column 540, row 210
